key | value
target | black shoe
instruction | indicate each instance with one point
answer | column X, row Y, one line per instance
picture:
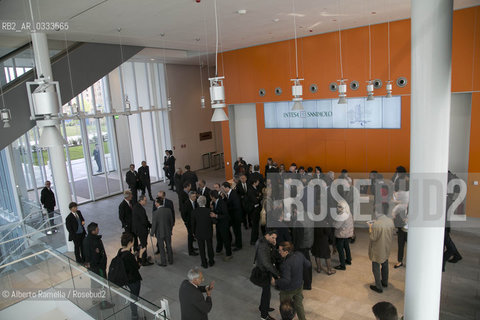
column 269, row 309
column 374, row 288
column 455, row 259
column 348, row 262
column 236, row 249
column 385, row 285
column 205, row 266
column 340, row 267
column 162, row 264
column 268, row 318
column 211, row 263
column 398, row 265
column 193, row 253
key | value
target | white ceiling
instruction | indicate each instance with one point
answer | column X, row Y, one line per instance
column 190, row 26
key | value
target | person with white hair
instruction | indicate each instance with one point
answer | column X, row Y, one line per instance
column 343, row 232
column 193, row 304
column 202, row 229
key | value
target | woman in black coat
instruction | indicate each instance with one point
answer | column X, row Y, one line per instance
column 323, row 237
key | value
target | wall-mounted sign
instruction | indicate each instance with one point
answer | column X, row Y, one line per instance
column 205, row 135
column 381, row 113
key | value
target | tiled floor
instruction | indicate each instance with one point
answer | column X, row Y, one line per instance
column 343, row 296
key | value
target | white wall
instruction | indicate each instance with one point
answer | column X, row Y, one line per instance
column 244, row 132
column 460, row 117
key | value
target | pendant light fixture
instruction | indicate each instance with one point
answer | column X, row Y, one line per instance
column 389, row 85
column 342, row 83
column 370, row 82
column 217, row 91
column 297, row 89
column 169, row 99
column 202, row 98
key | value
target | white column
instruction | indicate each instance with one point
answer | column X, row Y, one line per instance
column 431, row 29
column 57, row 155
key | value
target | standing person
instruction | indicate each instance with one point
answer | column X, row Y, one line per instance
column 240, row 166
column 269, row 167
column 323, row 236
column 133, row 181
column 144, row 176
column 131, row 264
column 166, row 167
column 193, row 304
column 177, row 180
column 235, row 213
column 162, row 225
column 171, row 169
column 257, row 175
column 125, row 215
column 290, row 283
column 254, row 205
column 140, row 226
column 385, row 311
column 222, row 218
column 265, row 260
column 303, row 236
column 96, row 259
column 202, row 228
column 167, row 203
column 186, row 210
column 343, row 232
column 242, row 189
column 76, row 231
column 97, row 157
column 203, row 190
column 47, row 198
column 381, row 235
column 399, row 216
column 190, row 177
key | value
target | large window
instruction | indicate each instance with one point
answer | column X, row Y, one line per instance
column 380, row 113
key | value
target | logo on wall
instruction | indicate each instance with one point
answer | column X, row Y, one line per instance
column 307, row 114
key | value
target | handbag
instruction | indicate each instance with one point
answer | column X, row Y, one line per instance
column 259, row 277
column 263, row 216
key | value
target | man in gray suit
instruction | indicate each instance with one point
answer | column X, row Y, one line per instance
column 162, row 225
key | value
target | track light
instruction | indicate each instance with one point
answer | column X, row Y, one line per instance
column 297, row 92
column 342, row 91
column 370, row 90
column 169, row 104
column 128, row 107
column 217, row 95
column 389, row 89
column 202, row 102
column 6, row 117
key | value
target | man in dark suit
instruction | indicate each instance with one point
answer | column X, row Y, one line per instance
column 97, row 157
column 270, row 167
column 242, row 189
column 222, row 220
column 162, row 225
column 177, row 179
column 140, row 226
column 240, row 166
column 125, row 215
column 202, row 227
column 203, row 190
column 254, row 205
column 76, row 232
column 257, row 175
column 47, row 198
column 191, row 177
column 193, row 305
column 133, row 181
column 144, row 176
column 235, row 212
column 167, row 203
column 187, row 208
column 171, row 168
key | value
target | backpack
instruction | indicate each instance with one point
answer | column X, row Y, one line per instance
column 116, row 272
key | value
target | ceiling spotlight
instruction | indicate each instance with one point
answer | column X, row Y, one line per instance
column 370, row 90
column 169, row 104
column 389, row 88
column 276, row 20
column 342, row 91
column 217, row 94
column 6, row 117
column 202, row 102
column 297, row 92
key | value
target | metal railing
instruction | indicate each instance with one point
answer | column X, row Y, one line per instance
column 119, row 297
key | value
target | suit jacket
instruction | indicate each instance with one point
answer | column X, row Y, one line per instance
column 162, row 223
column 202, row 223
column 132, row 179
column 234, row 205
column 125, row 215
column 72, row 224
column 170, row 163
column 206, row 194
column 259, row 176
column 47, row 198
column 242, row 193
column 193, row 305
column 254, row 199
column 187, row 210
column 221, row 209
column 190, row 176
column 182, row 198
column 144, row 174
column 167, row 203
column 140, row 223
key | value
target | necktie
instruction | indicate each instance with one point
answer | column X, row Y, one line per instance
column 245, row 187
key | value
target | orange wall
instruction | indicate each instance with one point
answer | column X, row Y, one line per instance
column 273, row 65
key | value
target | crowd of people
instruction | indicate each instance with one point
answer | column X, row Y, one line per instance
column 283, row 243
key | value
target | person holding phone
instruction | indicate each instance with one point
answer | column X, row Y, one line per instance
column 193, row 304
